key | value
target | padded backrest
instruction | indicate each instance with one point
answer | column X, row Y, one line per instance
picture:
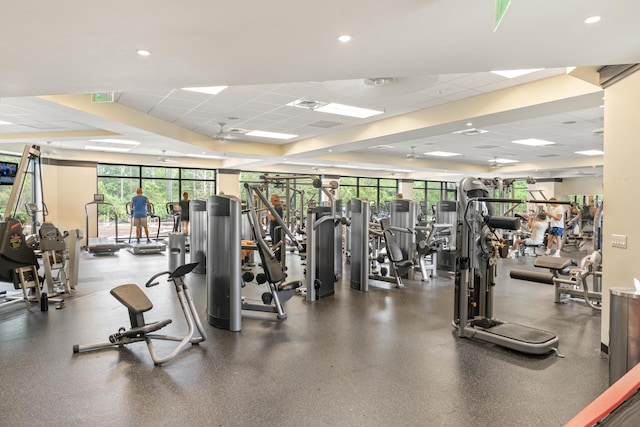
column 393, row 249
column 270, row 264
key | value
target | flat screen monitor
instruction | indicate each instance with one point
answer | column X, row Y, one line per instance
column 8, row 172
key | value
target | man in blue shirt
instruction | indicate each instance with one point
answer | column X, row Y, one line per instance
column 141, row 206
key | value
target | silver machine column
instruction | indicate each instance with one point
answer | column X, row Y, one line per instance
column 360, row 213
column 321, row 273
column 446, row 214
column 198, row 225
column 404, row 215
column 224, row 299
column 177, row 243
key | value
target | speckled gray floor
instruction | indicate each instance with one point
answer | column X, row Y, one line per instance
column 382, row 358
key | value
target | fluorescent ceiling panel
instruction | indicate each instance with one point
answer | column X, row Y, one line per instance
column 510, row 74
column 204, row 156
column 590, row 152
column 347, row 110
column 533, row 142
column 4, row 123
column 116, row 141
column 211, row 90
column 503, row 161
column 273, row 135
column 441, row 154
column 114, row 149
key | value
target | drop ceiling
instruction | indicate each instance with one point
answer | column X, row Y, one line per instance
column 431, row 58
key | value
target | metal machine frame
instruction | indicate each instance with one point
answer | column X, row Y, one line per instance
column 476, row 266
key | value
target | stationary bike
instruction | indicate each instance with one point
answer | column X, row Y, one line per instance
column 132, row 297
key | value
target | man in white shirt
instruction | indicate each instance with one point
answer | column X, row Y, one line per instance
column 555, row 214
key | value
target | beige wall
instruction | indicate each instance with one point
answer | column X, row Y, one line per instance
column 586, row 185
column 66, row 190
column 229, row 184
column 621, row 177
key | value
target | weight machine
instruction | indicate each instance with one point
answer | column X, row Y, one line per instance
column 478, row 249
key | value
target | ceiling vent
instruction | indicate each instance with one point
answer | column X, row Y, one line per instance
column 308, row 104
column 379, row 81
column 472, row 131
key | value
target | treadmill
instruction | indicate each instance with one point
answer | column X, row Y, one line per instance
column 101, row 245
column 143, row 247
column 478, row 248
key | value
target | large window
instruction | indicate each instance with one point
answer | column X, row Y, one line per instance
column 25, row 196
column 431, row 192
column 380, row 192
column 162, row 185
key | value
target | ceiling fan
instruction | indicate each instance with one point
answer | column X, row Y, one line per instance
column 224, row 135
column 412, row 155
column 495, row 164
column 164, row 159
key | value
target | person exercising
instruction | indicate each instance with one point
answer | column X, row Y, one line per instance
column 184, row 213
column 141, row 207
column 275, row 234
column 538, row 225
column 556, row 216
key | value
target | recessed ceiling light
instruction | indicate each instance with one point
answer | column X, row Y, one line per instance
column 469, row 124
column 116, row 141
column 2, row 122
column 114, row 149
column 345, row 38
column 441, row 154
column 210, row 90
column 274, row 135
column 592, row 20
column 503, row 161
column 533, row 142
column 143, row 52
column 347, row 110
column 510, row 74
column 590, row 152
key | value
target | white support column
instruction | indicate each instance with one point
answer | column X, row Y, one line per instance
column 228, row 182
column 405, row 187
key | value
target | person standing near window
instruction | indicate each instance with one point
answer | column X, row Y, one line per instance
column 184, row 213
column 275, row 234
column 141, row 208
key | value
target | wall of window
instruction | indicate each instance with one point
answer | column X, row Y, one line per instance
column 379, row 191
column 24, row 197
column 431, row 192
column 162, row 185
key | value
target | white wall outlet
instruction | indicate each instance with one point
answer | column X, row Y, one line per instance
column 619, row 241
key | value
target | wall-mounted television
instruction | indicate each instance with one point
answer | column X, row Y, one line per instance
column 8, row 171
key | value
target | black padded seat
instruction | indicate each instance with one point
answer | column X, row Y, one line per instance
column 289, row 286
column 554, row 263
column 132, row 297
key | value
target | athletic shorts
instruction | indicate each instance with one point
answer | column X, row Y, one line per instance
column 556, row 231
column 142, row 222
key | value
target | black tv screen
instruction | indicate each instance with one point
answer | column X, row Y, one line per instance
column 8, row 172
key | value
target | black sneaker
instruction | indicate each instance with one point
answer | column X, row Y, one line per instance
column 148, row 240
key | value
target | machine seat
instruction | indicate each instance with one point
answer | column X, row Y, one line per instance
column 289, row 286
column 554, row 263
column 132, row 297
